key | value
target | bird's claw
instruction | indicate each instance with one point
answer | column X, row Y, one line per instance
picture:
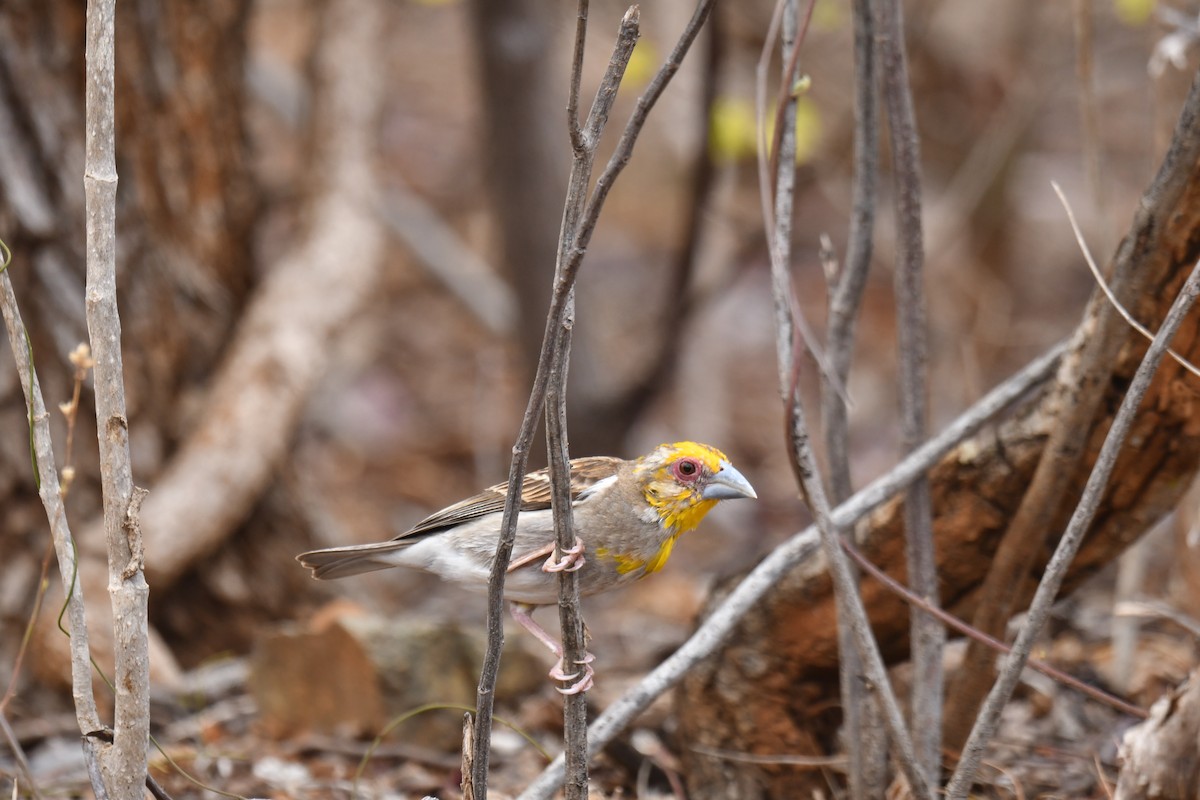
column 572, row 560
column 585, row 676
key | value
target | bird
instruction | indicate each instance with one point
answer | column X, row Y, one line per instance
column 627, row 516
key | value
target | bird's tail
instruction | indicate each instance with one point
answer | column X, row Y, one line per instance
column 355, row 559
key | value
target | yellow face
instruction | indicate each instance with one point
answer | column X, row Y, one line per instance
column 673, row 478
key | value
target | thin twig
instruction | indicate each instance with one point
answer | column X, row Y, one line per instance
column 787, row 93
column 768, row 164
column 766, row 181
column 46, row 475
column 18, row 752
column 928, row 638
column 574, row 650
column 573, row 130
column 633, row 128
column 998, row 646
column 864, row 734
column 570, row 620
column 713, row 631
column 1104, row 287
column 1056, row 570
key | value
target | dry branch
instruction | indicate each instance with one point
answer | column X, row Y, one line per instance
column 123, row 762
column 42, row 453
column 927, row 634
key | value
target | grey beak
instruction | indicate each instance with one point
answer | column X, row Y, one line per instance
column 728, row 484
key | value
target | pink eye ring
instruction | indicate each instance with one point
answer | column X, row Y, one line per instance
column 686, row 470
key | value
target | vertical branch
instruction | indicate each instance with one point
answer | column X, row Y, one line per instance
column 573, row 129
column 46, row 477
column 928, row 635
column 866, row 745
column 1081, row 520
column 779, row 216
column 584, row 142
column 570, row 619
column 123, row 765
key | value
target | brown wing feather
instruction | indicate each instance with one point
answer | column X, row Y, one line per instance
column 535, row 495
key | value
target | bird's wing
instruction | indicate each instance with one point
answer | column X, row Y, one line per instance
column 535, row 495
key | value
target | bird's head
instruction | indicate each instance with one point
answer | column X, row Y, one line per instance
column 684, row 480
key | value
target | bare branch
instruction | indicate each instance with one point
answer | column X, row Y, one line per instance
column 573, row 129
column 570, row 619
column 1056, row 570
column 928, row 637
column 633, row 128
column 123, row 764
column 803, row 461
column 1104, row 287
column 863, row 729
column 46, row 477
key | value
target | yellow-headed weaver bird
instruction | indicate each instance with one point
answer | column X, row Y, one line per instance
column 629, row 514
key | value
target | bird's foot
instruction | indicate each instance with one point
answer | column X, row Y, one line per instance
column 572, row 560
column 583, row 678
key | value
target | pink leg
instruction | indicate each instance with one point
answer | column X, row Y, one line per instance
column 517, row 563
column 521, row 613
column 571, row 561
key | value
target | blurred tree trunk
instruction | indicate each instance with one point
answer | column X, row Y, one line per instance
column 186, row 209
column 524, row 147
column 526, row 150
column 772, row 689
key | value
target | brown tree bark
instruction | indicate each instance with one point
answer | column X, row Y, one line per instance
column 186, row 206
column 773, row 687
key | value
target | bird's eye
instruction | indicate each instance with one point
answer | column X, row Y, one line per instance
column 686, row 469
